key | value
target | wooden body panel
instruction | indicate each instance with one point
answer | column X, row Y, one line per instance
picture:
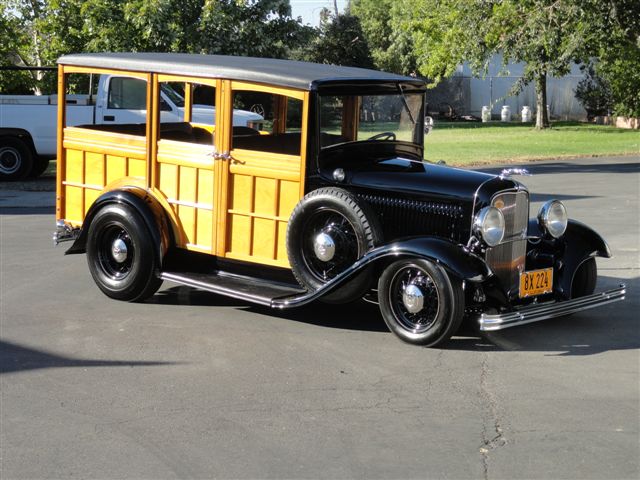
column 230, row 203
column 94, row 160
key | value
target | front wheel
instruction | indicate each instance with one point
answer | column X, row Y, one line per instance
column 121, row 255
column 420, row 302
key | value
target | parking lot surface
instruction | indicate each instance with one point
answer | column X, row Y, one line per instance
column 194, row 385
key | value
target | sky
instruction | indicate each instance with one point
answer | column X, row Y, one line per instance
column 309, row 10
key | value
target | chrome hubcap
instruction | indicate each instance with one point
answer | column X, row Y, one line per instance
column 413, row 298
column 119, row 250
column 324, row 247
column 9, row 160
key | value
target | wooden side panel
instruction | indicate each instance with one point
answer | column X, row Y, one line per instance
column 186, row 179
column 263, row 190
column 93, row 160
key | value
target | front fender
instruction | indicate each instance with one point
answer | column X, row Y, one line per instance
column 578, row 244
column 454, row 258
column 142, row 202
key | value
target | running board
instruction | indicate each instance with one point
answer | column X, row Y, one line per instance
column 255, row 290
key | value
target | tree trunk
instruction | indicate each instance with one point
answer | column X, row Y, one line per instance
column 542, row 118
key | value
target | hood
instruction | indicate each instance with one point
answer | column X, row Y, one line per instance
column 428, row 181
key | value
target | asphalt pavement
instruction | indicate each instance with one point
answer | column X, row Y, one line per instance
column 194, row 385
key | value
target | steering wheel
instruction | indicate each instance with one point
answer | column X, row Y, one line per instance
column 384, row 136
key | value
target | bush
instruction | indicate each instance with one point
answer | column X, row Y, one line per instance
column 594, row 93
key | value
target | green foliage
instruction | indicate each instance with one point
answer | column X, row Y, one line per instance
column 392, row 46
column 37, row 32
column 340, row 41
column 616, row 45
column 594, row 93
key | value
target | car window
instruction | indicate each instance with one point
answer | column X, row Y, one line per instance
column 127, row 93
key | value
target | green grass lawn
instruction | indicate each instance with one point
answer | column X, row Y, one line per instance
column 480, row 143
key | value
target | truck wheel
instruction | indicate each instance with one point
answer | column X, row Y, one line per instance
column 121, row 255
column 40, row 164
column 420, row 302
column 585, row 278
column 16, row 159
column 328, row 231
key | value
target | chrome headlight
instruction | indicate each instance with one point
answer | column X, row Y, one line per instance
column 489, row 225
column 553, row 219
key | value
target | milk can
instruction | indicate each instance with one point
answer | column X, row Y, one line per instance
column 486, row 113
column 526, row 114
column 505, row 113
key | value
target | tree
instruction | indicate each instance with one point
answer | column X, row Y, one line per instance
column 37, row 32
column 614, row 36
column 340, row 41
column 545, row 35
column 391, row 45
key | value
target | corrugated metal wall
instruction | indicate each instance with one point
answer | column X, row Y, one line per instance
column 467, row 95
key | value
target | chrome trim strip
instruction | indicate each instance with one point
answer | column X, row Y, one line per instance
column 544, row 311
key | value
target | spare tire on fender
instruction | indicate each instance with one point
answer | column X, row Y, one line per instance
column 328, row 231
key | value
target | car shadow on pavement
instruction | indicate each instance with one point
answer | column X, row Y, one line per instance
column 17, row 358
column 610, row 327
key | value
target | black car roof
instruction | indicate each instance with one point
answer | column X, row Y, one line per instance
column 285, row 73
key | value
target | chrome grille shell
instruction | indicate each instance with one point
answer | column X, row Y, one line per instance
column 507, row 260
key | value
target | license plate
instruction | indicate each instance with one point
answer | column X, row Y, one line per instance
column 536, row 282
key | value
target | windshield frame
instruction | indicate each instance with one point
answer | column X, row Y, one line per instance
column 398, row 89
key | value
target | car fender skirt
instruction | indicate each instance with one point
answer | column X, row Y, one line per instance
column 145, row 204
column 452, row 257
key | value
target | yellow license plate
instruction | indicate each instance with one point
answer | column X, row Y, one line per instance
column 536, row 282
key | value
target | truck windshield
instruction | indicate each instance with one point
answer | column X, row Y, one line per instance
column 175, row 97
column 355, row 118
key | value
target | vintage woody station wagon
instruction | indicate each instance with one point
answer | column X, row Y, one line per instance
column 326, row 198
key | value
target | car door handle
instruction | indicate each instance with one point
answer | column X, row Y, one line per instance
column 109, row 118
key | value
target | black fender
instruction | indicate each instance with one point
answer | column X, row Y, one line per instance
column 454, row 258
column 153, row 214
column 579, row 243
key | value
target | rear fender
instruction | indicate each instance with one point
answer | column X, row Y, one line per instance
column 141, row 201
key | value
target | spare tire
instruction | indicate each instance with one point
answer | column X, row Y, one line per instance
column 328, row 231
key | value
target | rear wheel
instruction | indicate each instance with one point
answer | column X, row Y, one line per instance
column 121, row 255
column 420, row 302
column 16, row 159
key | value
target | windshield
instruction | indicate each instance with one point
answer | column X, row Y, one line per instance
column 394, row 117
column 175, row 97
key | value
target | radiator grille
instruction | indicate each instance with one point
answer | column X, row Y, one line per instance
column 404, row 217
column 507, row 260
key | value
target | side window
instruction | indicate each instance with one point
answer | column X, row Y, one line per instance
column 193, row 126
column 266, row 122
column 127, row 93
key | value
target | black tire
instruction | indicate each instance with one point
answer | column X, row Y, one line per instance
column 129, row 273
column 350, row 224
column 585, row 278
column 40, row 164
column 16, row 159
column 439, row 300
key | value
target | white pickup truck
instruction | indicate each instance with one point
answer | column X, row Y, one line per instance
column 28, row 123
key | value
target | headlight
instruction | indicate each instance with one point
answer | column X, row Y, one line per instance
column 552, row 218
column 489, row 225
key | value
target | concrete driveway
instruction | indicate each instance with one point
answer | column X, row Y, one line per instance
column 193, row 385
